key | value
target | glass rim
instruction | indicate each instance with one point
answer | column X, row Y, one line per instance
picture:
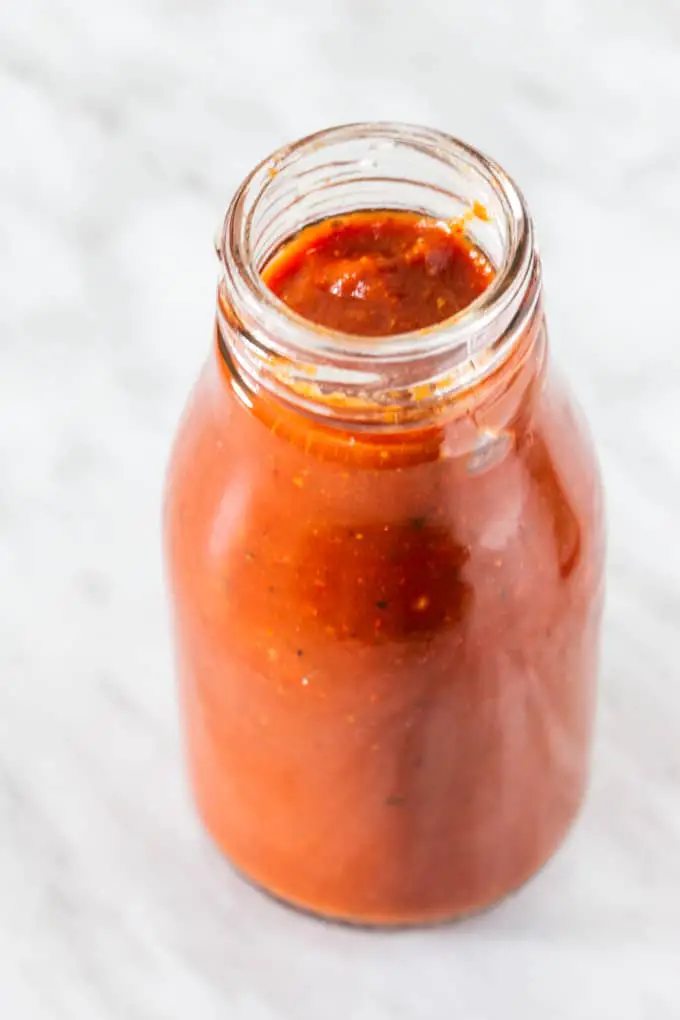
column 282, row 331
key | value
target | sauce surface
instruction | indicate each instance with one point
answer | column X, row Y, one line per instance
column 380, row 272
column 387, row 639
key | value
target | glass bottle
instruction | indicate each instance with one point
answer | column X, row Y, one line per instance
column 385, row 560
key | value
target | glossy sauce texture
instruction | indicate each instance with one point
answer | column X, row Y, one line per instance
column 387, row 641
column 379, row 273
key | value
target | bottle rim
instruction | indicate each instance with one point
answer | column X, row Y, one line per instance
column 346, row 168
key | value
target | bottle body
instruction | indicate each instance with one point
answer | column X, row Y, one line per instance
column 387, row 641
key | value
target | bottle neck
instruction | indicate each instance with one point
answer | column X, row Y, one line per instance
column 399, row 380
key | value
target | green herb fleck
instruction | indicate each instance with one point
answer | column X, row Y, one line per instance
column 382, row 604
column 394, row 801
column 418, row 523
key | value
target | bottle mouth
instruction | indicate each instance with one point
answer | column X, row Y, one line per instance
column 379, row 166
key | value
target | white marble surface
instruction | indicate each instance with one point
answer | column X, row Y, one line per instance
column 124, row 128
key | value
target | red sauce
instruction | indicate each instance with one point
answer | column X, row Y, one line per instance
column 387, row 638
column 379, row 273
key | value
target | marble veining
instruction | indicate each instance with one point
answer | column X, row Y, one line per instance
column 124, row 129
